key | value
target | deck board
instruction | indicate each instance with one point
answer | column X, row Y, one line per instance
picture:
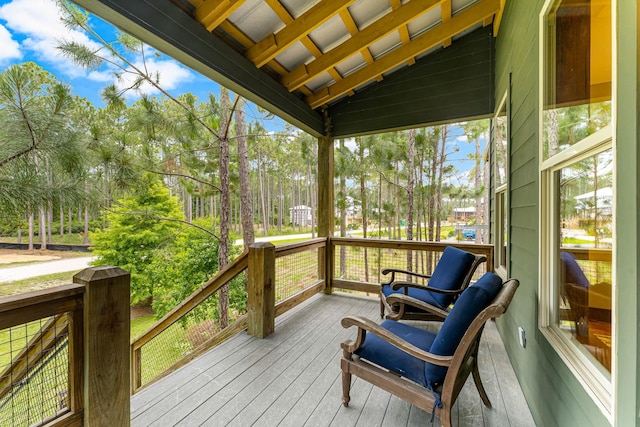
column 292, row 378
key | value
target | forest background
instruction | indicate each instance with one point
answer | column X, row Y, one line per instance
column 161, row 181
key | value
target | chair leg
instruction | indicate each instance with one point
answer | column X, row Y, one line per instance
column 479, row 386
column 381, row 309
column 445, row 416
column 346, row 388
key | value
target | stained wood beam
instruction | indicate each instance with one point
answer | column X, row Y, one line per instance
column 403, row 30
column 367, row 36
column 446, row 17
column 272, row 45
column 498, row 18
column 212, row 13
column 287, row 18
column 348, row 22
column 476, row 13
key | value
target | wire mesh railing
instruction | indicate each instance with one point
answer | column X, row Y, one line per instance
column 34, row 382
column 298, row 267
column 190, row 328
column 37, row 380
column 358, row 263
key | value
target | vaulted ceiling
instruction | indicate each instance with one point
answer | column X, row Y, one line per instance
column 318, row 52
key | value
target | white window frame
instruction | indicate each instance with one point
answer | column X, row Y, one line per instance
column 598, row 384
column 501, row 196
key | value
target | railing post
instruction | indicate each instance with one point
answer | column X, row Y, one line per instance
column 107, row 330
column 261, row 298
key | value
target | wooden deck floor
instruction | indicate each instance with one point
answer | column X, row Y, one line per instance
column 292, row 378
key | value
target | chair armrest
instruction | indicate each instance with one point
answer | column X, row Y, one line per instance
column 404, row 300
column 406, row 285
column 366, row 325
column 393, row 272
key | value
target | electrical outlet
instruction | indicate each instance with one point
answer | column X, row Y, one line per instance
column 522, row 336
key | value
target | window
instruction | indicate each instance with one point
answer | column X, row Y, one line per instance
column 500, row 138
column 577, row 192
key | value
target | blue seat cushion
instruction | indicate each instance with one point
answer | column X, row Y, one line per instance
column 472, row 301
column 420, row 294
column 449, row 275
column 380, row 352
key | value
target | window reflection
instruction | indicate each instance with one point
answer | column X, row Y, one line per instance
column 577, row 98
column 585, row 200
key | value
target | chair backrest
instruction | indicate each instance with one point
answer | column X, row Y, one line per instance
column 570, row 271
column 453, row 271
column 471, row 303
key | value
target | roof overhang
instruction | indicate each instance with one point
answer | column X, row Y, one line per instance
column 366, row 65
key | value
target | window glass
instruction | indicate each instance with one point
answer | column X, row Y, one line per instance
column 577, row 86
column 584, row 283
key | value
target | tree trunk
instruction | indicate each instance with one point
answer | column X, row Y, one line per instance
column 246, row 206
column 410, row 186
column 85, row 240
column 442, row 157
column 31, row 230
column 61, row 221
column 223, row 249
column 42, row 228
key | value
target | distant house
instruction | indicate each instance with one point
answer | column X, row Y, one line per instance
column 464, row 214
column 586, row 206
column 300, row 215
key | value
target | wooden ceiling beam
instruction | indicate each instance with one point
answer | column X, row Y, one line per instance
column 353, row 29
column 462, row 21
column 273, row 44
column 367, row 36
column 498, row 18
column 212, row 13
column 446, row 16
column 403, row 30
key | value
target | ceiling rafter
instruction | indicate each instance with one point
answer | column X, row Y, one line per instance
column 353, row 29
column 211, row 13
column 498, row 18
column 287, row 18
column 446, row 16
column 273, row 44
column 403, row 30
column 367, row 36
column 239, row 36
column 460, row 22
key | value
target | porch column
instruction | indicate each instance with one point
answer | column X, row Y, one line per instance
column 107, row 330
column 325, row 203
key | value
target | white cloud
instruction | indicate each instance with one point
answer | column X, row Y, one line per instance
column 40, row 24
column 171, row 75
column 9, row 48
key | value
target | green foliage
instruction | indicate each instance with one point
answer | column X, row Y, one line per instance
column 138, row 226
column 187, row 264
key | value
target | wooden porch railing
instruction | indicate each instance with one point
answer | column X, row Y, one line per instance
column 355, row 264
column 67, row 352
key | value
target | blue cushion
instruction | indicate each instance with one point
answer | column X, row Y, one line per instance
column 384, row 354
column 571, row 272
column 452, row 268
column 473, row 300
column 450, row 272
column 420, row 294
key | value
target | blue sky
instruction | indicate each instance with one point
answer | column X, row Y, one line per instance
column 31, row 29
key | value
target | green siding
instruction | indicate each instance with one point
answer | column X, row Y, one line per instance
column 554, row 395
column 451, row 84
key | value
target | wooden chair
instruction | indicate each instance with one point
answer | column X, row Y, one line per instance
column 451, row 276
column 436, row 364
